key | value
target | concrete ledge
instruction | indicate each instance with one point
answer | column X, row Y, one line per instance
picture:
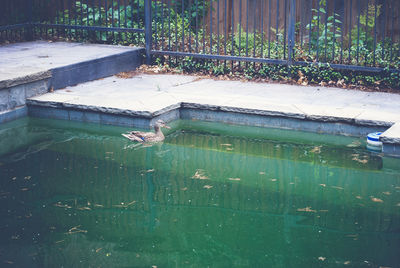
column 10, row 115
column 94, row 69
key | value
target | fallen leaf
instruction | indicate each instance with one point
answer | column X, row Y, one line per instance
column 226, row 144
column 24, row 189
column 150, row 170
column 316, row 150
column 321, row 258
column 323, row 185
column 306, row 209
column 337, row 187
column 27, row 177
column 234, row 179
column 346, row 262
column 200, row 175
column 261, row 173
column 13, row 178
column 273, row 179
column 377, row 200
column 184, row 188
column 97, row 250
column 229, row 149
column 207, row 186
column 358, row 197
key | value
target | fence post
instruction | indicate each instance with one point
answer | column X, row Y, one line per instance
column 147, row 30
column 291, row 31
column 29, row 21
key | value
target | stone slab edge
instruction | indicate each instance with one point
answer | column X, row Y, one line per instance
column 392, row 135
column 148, row 114
column 25, row 79
column 95, row 69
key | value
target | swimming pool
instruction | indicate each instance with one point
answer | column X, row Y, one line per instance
column 79, row 195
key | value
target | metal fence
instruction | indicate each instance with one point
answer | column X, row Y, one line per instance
column 346, row 34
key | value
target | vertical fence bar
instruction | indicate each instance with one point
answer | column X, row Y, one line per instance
column 197, row 26
column 211, row 27
column 162, row 25
column 326, row 30
column 240, row 27
column 291, row 31
column 350, row 18
column 29, row 31
column 318, row 19
column 309, row 30
column 247, row 31
column 262, row 28
column 225, row 29
column 358, row 29
column 147, row 22
column 269, row 29
column 218, row 33
column 155, row 26
column 383, row 29
column 169, row 25
column 366, row 33
column 334, row 31
column 190, row 25
column 277, row 27
column 376, row 10
column 284, row 30
column 183, row 24
column 233, row 33
column 204, row 23
column 391, row 35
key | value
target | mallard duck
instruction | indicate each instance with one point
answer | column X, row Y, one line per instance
column 143, row 137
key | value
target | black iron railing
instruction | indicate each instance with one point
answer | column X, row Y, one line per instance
column 350, row 34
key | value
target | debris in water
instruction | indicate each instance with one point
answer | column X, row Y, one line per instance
column 261, row 173
column 358, row 197
column 234, row 179
column 150, row 170
column 13, row 178
column 123, row 205
column 273, row 179
column 387, row 193
column 97, row 250
column 226, row 144
column 200, row 175
column 207, row 186
column 316, row 150
column 346, row 262
column 27, row 177
column 184, row 188
column 24, row 189
column 323, row 185
column 377, row 200
column 337, row 187
column 354, row 144
column 321, row 258
column 306, row 209
column 75, row 230
column 84, row 208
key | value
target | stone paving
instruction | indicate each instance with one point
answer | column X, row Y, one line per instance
column 30, row 58
column 150, row 95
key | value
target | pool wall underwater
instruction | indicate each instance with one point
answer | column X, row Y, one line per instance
column 210, row 113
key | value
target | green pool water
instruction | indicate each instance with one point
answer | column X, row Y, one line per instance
column 211, row 195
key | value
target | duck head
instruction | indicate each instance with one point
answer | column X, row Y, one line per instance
column 159, row 124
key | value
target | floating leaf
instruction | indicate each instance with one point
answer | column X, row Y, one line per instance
column 207, row 186
column 377, row 200
column 200, row 174
column 234, row 179
column 306, row 209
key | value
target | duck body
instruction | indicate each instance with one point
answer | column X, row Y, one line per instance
column 141, row 136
